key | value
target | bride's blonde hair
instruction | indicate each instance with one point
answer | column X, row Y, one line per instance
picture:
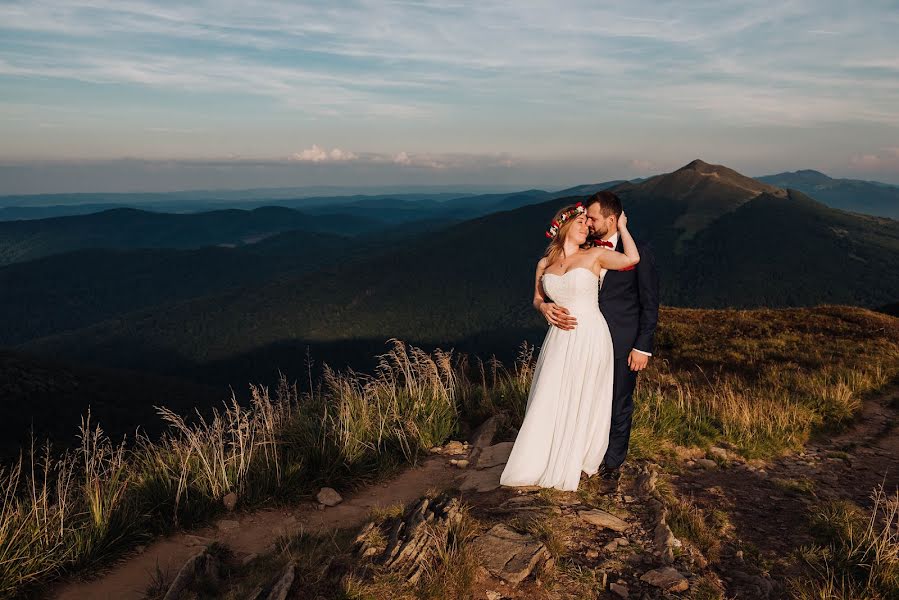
column 554, row 249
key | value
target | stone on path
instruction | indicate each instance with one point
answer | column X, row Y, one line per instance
column 491, row 456
column 509, row 554
column 601, row 518
column 454, row 448
column 328, row 497
column 706, row 463
column 482, row 480
column 619, row 590
column 667, row 579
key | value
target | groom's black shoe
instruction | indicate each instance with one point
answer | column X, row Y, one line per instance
column 609, row 473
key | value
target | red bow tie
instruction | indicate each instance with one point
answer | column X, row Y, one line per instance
column 603, row 243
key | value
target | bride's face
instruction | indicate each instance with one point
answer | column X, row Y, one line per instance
column 578, row 231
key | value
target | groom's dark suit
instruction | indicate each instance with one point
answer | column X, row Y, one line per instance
column 629, row 301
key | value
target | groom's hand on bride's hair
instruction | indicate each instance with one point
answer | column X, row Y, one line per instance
column 557, row 316
column 637, row 361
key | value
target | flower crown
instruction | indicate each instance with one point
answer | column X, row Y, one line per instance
column 554, row 227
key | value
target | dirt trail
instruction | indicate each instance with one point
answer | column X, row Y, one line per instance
column 256, row 532
column 769, row 507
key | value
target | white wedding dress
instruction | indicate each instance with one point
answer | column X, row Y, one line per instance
column 569, row 409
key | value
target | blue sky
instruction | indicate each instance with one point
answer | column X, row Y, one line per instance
column 547, row 94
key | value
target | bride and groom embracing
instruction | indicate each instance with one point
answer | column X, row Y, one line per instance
column 599, row 291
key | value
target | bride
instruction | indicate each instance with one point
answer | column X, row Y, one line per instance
column 566, row 424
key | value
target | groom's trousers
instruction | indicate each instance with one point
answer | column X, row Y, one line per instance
column 622, row 412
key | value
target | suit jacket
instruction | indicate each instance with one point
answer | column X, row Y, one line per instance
column 629, row 301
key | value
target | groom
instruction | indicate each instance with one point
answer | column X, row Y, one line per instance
column 629, row 301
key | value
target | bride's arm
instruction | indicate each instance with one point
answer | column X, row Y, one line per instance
column 553, row 313
column 539, row 295
column 616, row 261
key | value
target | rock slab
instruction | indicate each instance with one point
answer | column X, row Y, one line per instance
column 497, row 454
column 667, row 579
column 602, row 519
column 508, row 554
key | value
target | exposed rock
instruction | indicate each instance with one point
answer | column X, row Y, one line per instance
column 328, row 497
column 201, row 565
column 230, row 501
column 665, row 542
column 227, row 524
column 409, row 543
column 493, row 595
column 646, row 482
column 619, row 589
column 283, row 584
column 667, row 579
column 495, row 455
column 706, row 463
column 460, row 463
column 454, row 448
column 248, row 559
column 611, row 546
column 623, row 541
column 486, row 431
column 509, row 554
column 483, row 480
column 601, row 518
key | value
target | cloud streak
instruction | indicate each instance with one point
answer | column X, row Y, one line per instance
column 412, row 84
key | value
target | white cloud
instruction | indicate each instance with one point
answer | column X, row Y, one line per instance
column 315, row 154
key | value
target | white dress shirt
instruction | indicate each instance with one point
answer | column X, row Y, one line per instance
column 602, row 275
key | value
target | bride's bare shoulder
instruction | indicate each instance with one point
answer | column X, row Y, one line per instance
column 543, row 263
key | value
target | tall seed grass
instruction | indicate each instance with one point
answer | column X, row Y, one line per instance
column 859, row 556
column 64, row 512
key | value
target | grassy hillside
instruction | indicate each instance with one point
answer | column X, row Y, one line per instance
column 791, row 252
column 75, row 289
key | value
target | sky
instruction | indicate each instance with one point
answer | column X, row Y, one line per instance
column 160, row 96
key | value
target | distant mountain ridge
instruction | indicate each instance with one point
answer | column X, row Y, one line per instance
column 720, row 240
column 124, row 228
column 868, row 197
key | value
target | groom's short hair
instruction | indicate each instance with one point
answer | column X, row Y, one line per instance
column 609, row 203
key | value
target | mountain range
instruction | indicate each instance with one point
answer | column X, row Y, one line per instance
column 720, row 240
column 868, row 197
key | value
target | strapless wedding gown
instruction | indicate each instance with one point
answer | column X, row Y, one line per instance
column 569, row 409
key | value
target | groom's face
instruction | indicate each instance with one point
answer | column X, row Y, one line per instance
column 599, row 225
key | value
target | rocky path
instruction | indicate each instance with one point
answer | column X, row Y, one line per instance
column 604, row 541
column 253, row 533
